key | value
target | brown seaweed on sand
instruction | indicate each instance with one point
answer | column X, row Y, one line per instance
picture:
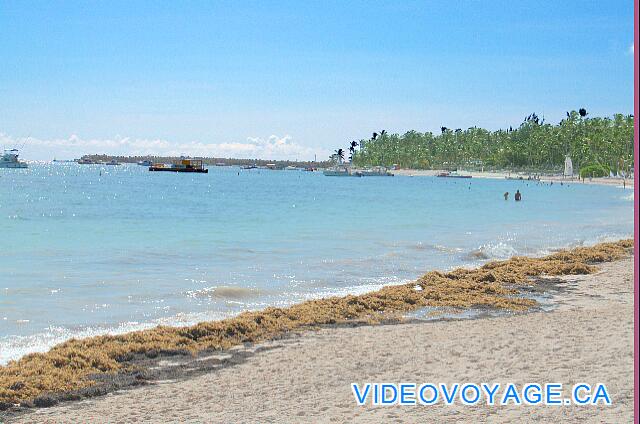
column 73, row 364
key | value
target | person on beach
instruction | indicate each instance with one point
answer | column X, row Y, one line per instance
column 506, row 195
column 518, row 196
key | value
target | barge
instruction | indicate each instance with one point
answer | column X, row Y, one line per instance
column 183, row 165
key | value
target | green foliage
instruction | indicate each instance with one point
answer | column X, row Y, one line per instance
column 594, row 171
column 534, row 145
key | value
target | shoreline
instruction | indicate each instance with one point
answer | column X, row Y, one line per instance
column 71, row 367
column 503, row 175
column 296, row 376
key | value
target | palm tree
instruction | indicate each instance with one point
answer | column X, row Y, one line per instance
column 374, row 136
column 583, row 112
column 340, row 153
column 534, row 143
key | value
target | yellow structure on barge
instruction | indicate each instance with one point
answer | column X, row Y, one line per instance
column 182, row 165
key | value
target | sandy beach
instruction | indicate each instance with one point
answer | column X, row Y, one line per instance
column 306, row 377
column 628, row 183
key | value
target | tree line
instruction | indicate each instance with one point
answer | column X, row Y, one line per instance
column 534, row 145
column 208, row 160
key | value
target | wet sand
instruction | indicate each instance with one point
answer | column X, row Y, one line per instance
column 306, row 378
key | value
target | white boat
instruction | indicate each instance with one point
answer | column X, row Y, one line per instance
column 112, row 162
column 10, row 160
column 340, row 168
column 347, row 171
column 340, row 171
column 376, row 171
column 454, row 174
column 145, row 163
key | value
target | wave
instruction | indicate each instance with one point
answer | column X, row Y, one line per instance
column 367, row 286
column 225, row 292
column 446, row 249
column 437, row 247
column 14, row 347
column 503, row 250
column 493, row 251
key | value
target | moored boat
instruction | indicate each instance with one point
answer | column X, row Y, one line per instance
column 183, row 165
column 376, row 171
column 10, row 160
column 340, row 168
column 340, row 171
column 447, row 174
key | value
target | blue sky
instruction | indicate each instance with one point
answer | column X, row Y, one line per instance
column 294, row 79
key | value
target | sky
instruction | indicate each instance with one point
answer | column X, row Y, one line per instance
column 296, row 79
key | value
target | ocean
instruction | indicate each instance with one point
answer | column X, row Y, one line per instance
column 90, row 249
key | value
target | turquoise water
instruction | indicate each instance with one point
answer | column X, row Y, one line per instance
column 94, row 249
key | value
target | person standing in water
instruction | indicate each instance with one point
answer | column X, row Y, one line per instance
column 506, row 195
column 518, row 196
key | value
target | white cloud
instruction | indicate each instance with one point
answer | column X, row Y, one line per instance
column 273, row 147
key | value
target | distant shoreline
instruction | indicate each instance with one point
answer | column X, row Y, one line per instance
column 319, row 165
column 500, row 175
